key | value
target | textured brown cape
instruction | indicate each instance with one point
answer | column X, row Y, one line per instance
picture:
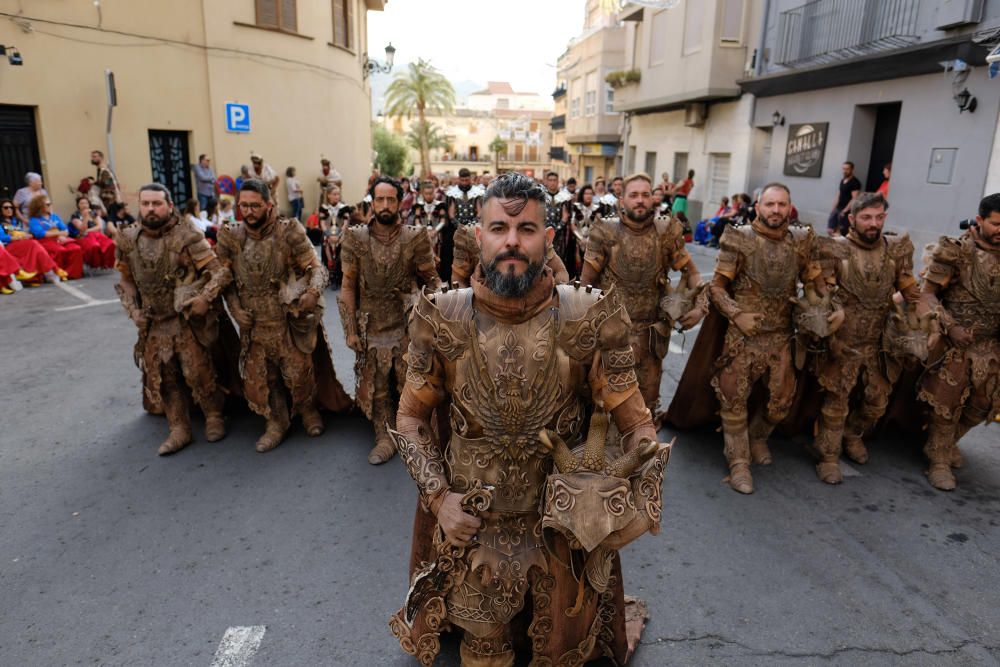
column 330, row 394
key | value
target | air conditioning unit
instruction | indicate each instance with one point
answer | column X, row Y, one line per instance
column 695, row 114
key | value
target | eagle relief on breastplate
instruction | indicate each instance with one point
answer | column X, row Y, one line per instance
column 634, row 266
column 512, row 386
column 773, row 269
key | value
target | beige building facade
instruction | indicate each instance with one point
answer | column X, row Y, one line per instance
column 593, row 125
column 686, row 110
column 295, row 67
column 522, row 120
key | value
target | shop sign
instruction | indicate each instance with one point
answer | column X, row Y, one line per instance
column 805, row 149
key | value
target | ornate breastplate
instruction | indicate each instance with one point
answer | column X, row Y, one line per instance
column 512, row 381
column 634, row 266
column 768, row 281
column 386, row 281
column 553, row 214
column 465, row 210
column 867, row 279
column 979, row 308
column 259, row 270
column 155, row 274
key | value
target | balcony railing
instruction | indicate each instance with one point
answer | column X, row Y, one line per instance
column 558, row 153
column 558, row 122
column 824, row 31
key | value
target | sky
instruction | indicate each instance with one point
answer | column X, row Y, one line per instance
column 479, row 40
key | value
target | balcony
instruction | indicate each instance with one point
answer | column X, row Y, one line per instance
column 558, row 153
column 558, row 122
column 825, row 31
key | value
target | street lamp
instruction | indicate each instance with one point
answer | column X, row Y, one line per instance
column 369, row 66
column 777, row 119
column 965, row 101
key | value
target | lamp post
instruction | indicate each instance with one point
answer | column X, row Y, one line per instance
column 369, row 66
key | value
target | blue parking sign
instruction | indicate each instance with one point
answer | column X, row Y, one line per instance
column 237, row 117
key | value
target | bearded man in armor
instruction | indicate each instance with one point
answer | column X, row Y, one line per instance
column 637, row 252
column 382, row 263
column 277, row 299
column 508, row 513
column 463, row 200
column 867, row 268
column 962, row 284
column 557, row 204
column 755, row 282
column 170, row 285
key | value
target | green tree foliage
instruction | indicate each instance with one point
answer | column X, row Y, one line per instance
column 391, row 153
column 421, row 89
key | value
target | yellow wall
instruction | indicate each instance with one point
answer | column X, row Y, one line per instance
column 307, row 97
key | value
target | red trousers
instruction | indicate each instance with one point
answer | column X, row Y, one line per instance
column 31, row 255
column 67, row 256
column 8, row 266
column 98, row 250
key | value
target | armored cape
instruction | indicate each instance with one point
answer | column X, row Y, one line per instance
column 168, row 267
column 467, row 258
column 271, row 270
column 638, row 261
column 763, row 275
column 507, row 378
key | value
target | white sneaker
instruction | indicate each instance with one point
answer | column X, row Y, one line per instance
column 15, row 284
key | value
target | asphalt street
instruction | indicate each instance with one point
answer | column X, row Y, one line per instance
column 111, row 555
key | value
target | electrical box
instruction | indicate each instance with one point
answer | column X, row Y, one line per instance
column 942, row 165
column 954, row 13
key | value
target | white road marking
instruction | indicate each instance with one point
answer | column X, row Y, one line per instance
column 88, row 300
column 88, row 305
column 238, row 645
column 848, row 471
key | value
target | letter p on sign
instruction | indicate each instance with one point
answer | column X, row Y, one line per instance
column 237, row 117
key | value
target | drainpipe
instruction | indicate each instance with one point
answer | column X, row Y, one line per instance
column 626, row 131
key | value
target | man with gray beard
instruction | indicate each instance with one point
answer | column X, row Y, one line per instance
column 506, row 509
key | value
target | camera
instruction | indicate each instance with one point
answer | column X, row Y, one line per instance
column 968, row 223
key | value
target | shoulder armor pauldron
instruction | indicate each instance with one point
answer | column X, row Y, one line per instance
column 583, row 311
column 449, row 314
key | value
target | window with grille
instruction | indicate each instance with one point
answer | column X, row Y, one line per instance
column 277, row 14
column 343, row 23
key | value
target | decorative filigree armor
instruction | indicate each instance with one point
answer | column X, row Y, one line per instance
column 508, row 381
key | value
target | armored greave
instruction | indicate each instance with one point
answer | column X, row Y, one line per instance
column 736, row 447
column 175, row 406
column 760, row 428
column 649, row 369
column 300, row 377
column 940, row 443
column 493, row 650
column 830, row 427
column 873, row 404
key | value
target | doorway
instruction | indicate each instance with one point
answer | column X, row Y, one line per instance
column 18, row 147
column 883, row 142
column 170, row 160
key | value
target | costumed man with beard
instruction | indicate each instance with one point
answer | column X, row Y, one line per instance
column 507, row 512
column 458, row 239
column 170, row 286
column 557, row 204
column 962, row 284
column 637, row 253
column 867, row 268
column 277, row 299
column 382, row 263
column 755, row 283
column 432, row 215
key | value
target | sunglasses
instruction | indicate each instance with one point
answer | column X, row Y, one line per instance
column 7, row 206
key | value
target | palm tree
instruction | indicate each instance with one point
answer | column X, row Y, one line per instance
column 497, row 146
column 421, row 89
column 435, row 137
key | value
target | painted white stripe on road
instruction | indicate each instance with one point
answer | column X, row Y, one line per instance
column 88, row 305
column 238, row 646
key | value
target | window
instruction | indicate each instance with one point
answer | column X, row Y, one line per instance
column 609, row 99
column 343, row 23
column 732, row 22
column 718, row 176
column 658, row 41
column 277, row 14
column 590, row 96
column 533, row 126
column 680, row 166
column 532, row 153
column 588, row 174
column 694, row 14
column 650, row 166
column 519, row 152
column 503, row 103
column 574, row 108
column 474, row 153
